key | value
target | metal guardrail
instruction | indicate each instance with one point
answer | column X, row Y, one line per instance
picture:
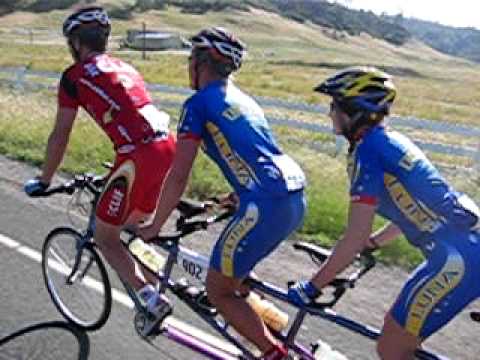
column 20, row 74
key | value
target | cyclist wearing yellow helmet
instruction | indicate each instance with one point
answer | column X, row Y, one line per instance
column 391, row 176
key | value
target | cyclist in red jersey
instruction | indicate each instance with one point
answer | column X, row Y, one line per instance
column 114, row 95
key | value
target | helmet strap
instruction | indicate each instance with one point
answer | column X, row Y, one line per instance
column 196, row 82
column 74, row 51
column 350, row 129
column 200, row 59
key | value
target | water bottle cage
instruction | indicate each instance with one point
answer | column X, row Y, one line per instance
column 204, row 304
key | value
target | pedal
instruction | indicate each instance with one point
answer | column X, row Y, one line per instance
column 149, row 325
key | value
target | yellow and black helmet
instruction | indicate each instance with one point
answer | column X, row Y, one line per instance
column 364, row 89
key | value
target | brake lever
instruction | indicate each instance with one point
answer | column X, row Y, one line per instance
column 340, row 286
column 368, row 261
column 475, row 316
column 68, row 188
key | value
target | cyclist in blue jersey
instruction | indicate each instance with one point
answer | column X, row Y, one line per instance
column 392, row 177
column 268, row 183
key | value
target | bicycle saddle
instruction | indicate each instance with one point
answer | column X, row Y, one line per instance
column 189, row 208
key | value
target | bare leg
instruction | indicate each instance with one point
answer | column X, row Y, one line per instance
column 221, row 293
column 107, row 237
column 395, row 343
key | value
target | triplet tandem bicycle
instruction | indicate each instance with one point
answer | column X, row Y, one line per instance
column 72, row 266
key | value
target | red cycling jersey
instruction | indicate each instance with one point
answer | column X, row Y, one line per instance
column 114, row 94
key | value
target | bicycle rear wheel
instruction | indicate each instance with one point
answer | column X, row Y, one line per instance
column 76, row 281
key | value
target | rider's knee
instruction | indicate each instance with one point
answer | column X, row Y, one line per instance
column 395, row 343
column 106, row 235
column 382, row 349
column 219, row 287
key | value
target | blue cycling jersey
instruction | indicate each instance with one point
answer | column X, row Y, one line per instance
column 388, row 170
column 237, row 137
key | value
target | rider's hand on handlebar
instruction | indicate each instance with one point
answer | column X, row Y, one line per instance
column 227, row 201
column 128, row 233
column 147, row 233
column 131, row 232
column 35, row 187
column 303, row 293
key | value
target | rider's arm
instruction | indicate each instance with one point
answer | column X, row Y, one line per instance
column 174, row 186
column 57, row 142
column 359, row 227
column 189, row 134
column 384, row 235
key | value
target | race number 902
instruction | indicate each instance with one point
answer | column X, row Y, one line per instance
column 193, row 269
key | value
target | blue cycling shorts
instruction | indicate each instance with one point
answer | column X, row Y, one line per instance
column 257, row 228
column 442, row 286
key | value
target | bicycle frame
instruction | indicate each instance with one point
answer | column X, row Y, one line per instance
column 195, row 264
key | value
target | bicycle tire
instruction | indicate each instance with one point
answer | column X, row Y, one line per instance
column 58, row 256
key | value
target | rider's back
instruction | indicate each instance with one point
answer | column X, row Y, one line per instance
column 237, row 137
column 411, row 191
column 113, row 93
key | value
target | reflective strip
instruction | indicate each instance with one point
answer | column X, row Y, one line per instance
column 158, row 120
column 291, row 172
column 100, row 92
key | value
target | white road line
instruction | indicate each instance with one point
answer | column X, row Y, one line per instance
column 119, row 296
column 8, row 242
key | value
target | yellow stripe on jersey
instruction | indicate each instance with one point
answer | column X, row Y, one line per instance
column 414, row 210
column 245, row 176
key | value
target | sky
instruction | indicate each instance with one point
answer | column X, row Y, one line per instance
column 459, row 13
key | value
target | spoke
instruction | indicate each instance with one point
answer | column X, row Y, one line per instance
column 59, row 260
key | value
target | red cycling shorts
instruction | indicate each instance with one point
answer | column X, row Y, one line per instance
column 136, row 180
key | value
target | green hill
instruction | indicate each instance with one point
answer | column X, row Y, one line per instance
column 318, row 12
column 342, row 20
column 462, row 42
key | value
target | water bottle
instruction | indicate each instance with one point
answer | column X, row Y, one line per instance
column 323, row 351
column 147, row 255
column 268, row 311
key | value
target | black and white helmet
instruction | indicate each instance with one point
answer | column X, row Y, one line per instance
column 94, row 14
column 224, row 42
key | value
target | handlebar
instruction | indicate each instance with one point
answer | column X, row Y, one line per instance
column 92, row 182
column 190, row 209
column 339, row 285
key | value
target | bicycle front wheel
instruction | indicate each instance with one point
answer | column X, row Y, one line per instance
column 76, row 279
